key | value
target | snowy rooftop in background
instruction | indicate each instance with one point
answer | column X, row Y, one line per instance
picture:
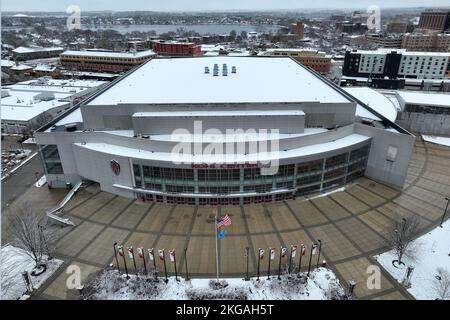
column 374, row 100
column 110, row 54
column 183, row 80
column 25, row 100
column 444, row 141
column 36, row 49
column 419, row 98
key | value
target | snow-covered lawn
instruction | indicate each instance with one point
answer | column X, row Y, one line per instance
column 431, row 251
column 110, row 285
column 445, row 141
column 14, row 261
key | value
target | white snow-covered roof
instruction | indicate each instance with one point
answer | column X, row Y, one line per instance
column 28, row 99
column 21, row 67
column 337, row 144
column 8, row 63
column 32, row 49
column 374, row 100
column 183, row 80
column 109, row 54
column 45, row 68
column 419, row 98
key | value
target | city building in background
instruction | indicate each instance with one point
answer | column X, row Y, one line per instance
column 28, row 105
column 175, row 48
column 435, row 19
column 315, row 59
column 298, row 29
column 426, row 41
column 31, row 53
column 127, row 137
column 396, row 63
column 103, row 61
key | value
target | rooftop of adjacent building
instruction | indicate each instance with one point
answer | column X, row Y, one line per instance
column 109, row 54
column 25, row 100
column 36, row 49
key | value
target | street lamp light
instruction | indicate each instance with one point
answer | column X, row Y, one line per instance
column 445, row 211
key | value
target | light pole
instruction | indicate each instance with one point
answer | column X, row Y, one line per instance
column 445, row 211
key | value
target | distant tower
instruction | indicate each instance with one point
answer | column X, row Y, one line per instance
column 298, row 29
column 435, row 19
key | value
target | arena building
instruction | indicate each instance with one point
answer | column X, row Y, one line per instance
column 317, row 136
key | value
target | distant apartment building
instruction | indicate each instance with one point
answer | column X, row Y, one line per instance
column 298, row 29
column 316, row 60
column 175, row 48
column 397, row 27
column 30, row 53
column 353, row 40
column 435, row 19
column 395, row 64
column 431, row 41
column 104, row 61
column 384, row 41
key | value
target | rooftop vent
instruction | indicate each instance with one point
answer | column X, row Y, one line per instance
column 206, row 69
column 233, row 69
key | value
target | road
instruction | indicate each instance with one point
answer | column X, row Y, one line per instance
column 19, row 181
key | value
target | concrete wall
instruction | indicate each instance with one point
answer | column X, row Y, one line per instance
column 425, row 122
column 317, row 114
column 148, row 125
column 379, row 167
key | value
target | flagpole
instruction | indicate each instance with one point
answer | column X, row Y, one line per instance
column 217, row 250
column 300, row 262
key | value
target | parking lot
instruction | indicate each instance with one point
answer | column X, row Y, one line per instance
column 351, row 224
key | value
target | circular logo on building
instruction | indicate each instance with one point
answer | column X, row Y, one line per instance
column 115, row 167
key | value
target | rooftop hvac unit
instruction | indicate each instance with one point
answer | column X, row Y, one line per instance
column 206, row 69
column 233, row 69
column 216, row 72
column 224, row 72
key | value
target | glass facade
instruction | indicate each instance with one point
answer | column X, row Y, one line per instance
column 50, row 158
column 247, row 185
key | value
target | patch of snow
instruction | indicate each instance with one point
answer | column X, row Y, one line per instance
column 14, row 261
column 445, row 141
column 41, row 182
column 111, row 285
column 432, row 251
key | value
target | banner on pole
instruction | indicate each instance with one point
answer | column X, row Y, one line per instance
column 261, row 254
column 130, row 252
column 150, row 254
column 120, row 250
column 283, row 252
column 172, row 255
column 272, row 253
column 293, row 251
column 161, row 254
column 140, row 252
column 314, row 249
column 303, row 249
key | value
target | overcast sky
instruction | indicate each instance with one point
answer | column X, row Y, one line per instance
column 206, row 5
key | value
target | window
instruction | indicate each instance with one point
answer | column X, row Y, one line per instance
column 50, row 157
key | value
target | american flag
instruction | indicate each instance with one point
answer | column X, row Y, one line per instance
column 225, row 221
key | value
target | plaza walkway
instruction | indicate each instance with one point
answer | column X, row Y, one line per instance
column 351, row 224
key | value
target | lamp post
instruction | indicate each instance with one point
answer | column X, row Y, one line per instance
column 318, row 255
column 445, row 211
column 115, row 255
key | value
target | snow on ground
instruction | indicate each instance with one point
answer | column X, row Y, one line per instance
column 327, row 193
column 110, row 285
column 14, row 261
column 445, row 141
column 432, row 251
column 41, row 182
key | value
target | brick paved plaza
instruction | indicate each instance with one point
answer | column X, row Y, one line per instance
column 351, row 225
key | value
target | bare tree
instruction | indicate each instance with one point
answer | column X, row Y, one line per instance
column 402, row 234
column 32, row 237
column 442, row 283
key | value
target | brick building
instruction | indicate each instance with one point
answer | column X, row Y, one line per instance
column 175, row 48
